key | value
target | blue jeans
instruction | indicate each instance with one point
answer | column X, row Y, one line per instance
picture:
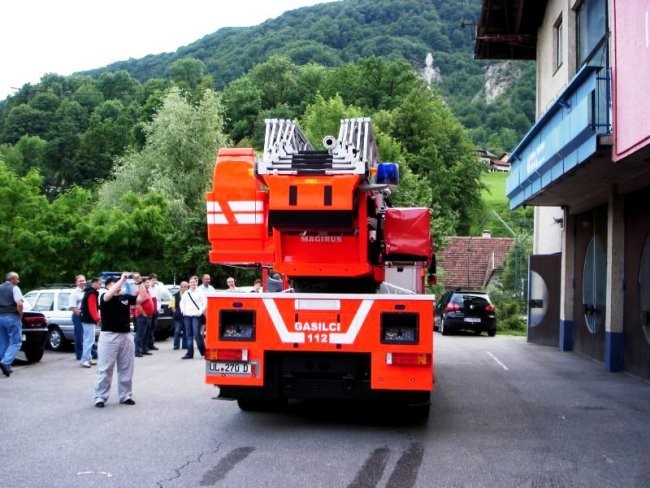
column 179, row 331
column 193, row 330
column 89, row 340
column 11, row 337
column 78, row 336
column 142, row 325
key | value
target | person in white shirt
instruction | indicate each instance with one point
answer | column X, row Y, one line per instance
column 205, row 284
column 231, row 284
column 154, row 292
column 193, row 304
column 76, row 297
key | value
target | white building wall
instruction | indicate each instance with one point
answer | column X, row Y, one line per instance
column 548, row 228
column 551, row 80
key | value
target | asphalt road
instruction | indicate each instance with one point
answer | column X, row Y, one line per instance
column 504, row 414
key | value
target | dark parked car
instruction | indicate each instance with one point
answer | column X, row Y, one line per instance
column 35, row 335
column 465, row 310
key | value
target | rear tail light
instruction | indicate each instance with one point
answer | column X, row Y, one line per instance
column 452, row 307
column 489, row 308
column 408, row 359
column 34, row 321
column 226, row 354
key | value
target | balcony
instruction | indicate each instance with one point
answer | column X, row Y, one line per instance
column 567, row 136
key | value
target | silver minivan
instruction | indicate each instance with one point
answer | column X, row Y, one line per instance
column 54, row 303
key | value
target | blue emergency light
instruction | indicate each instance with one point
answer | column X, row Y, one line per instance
column 387, row 174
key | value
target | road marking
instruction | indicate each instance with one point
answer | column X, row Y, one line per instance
column 104, row 473
column 497, row 360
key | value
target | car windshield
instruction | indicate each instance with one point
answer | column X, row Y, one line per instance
column 30, row 298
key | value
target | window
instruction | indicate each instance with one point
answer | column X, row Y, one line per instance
column 44, row 302
column 591, row 16
column 64, row 301
column 594, row 284
column 558, row 43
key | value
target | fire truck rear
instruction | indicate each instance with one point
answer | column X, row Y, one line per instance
column 323, row 220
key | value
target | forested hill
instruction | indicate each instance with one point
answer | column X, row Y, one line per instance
column 329, row 34
column 495, row 101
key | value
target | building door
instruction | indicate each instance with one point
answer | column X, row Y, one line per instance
column 544, row 299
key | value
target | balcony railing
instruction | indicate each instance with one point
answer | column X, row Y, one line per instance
column 565, row 136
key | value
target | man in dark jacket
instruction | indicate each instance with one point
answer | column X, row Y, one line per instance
column 89, row 315
column 177, row 316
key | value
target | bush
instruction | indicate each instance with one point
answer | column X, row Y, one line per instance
column 509, row 310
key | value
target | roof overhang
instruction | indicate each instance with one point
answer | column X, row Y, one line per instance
column 507, row 29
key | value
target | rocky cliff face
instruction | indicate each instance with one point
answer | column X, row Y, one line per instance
column 499, row 77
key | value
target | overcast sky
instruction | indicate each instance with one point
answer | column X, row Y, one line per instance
column 64, row 36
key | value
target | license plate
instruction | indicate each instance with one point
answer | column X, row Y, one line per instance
column 473, row 320
column 227, row 368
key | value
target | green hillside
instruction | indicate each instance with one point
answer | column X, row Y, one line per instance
column 494, row 194
column 336, row 33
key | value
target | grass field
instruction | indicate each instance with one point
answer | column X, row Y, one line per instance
column 494, row 195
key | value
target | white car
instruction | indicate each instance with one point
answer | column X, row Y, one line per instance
column 54, row 303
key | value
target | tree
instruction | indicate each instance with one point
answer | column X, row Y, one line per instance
column 108, row 136
column 323, row 117
column 275, row 78
column 442, row 152
column 130, row 235
column 187, row 73
column 177, row 159
column 242, row 103
column 21, row 230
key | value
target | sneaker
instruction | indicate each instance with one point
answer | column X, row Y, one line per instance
column 129, row 401
column 187, row 357
column 153, row 348
column 138, row 355
column 85, row 364
column 92, row 363
column 99, row 404
column 148, row 353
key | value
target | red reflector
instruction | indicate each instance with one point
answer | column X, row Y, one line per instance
column 226, row 354
column 408, row 359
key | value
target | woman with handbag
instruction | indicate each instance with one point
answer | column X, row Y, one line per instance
column 193, row 303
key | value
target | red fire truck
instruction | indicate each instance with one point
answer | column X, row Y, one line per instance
column 323, row 220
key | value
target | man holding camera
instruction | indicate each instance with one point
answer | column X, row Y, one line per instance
column 115, row 346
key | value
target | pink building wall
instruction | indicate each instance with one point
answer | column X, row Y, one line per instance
column 631, row 76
